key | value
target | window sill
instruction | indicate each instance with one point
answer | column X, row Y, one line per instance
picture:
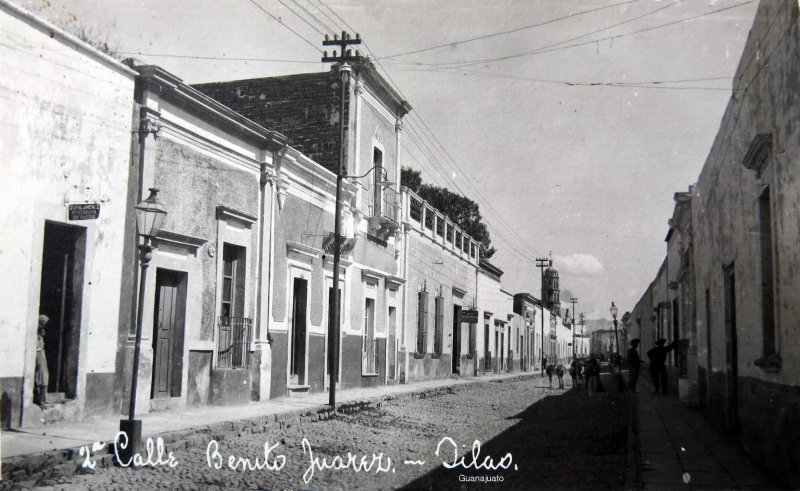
column 436, row 356
column 471, row 356
column 369, row 374
column 419, row 356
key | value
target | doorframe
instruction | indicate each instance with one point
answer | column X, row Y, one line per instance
column 182, row 290
column 731, row 349
column 300, row 271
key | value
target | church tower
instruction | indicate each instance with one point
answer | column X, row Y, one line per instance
column 551, row 292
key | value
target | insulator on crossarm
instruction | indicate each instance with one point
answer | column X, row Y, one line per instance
column 358, row 36
column 336, row 37
column 334, row 53
column 348, row 53
column 326, row 37
column 325, row 54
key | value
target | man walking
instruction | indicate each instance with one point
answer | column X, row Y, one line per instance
column 658, row 367
column 633, row 365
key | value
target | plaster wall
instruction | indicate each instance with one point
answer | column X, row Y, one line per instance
column 65, row 138
column 726, row 225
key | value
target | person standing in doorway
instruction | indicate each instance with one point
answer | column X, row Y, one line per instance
column 41, row 377
column 658, row 365
column 633, row 365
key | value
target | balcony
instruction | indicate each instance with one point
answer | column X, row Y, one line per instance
column 384, row 213
column 233, row 342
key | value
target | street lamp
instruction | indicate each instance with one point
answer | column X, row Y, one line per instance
column 614, row 312
column 150, row 215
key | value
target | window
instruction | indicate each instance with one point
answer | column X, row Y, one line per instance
column 439, row 325
column 377, row 163
column 466, row 245
column 422, row 322
column 449, row 233
column 233, row 337
column 458, row 240
column 472, row 341
column 767, row 302
column 233, row 276
column 472, row 250
column 440, row 226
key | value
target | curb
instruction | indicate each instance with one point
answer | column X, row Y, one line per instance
column 25, row 471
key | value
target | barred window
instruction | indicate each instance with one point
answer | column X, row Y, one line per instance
column 422, row 322
column 439, row 326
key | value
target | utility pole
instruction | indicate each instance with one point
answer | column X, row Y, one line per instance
column 573, row 301
column 541, row 263
column 583, row 323
column 333, row 314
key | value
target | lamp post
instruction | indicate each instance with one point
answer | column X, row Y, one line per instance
column 150, row 215
column 614, row 312
column 573, row 301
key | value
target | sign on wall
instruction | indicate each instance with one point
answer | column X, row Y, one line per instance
column 469, row 316
column 84, row 211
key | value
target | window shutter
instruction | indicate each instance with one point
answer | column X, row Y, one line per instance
column 439, row 325
column 422, row 322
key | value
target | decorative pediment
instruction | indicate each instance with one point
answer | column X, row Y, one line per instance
column 301, row 252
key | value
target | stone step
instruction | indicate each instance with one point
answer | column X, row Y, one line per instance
column 298, row 389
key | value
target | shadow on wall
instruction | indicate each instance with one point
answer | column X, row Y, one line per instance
column 562, row 441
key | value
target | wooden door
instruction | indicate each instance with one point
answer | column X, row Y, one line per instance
column 456, row 339
column 297, row 355
column 168, row 327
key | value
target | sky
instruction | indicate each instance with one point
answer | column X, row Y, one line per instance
column 571, row 122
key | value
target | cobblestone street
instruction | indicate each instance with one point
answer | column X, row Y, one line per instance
column 559, row 438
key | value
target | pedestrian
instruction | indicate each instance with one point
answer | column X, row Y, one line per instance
column 560, row 372
column 658, row 367
column 549, row 371
column 573, row 372
column 592, row 376
column 41, row 376
column 544, row 363
column 633, row 365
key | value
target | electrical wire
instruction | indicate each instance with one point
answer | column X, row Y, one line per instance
column 502, row 33
column 556, row 46
column 285, row 25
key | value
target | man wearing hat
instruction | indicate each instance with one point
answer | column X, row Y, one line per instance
column 658, row 367
column 41, row 375
column 633, row 365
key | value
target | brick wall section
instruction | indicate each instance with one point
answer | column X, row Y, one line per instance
column 304, row 107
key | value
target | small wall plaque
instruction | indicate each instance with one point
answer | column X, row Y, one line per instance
column 84, row 211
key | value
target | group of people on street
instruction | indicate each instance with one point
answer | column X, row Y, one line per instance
column 590, row 372
column 658, row 365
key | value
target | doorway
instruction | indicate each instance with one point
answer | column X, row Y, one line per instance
column 390, row 346
column 60, row 298
column 168, row 329
column 731, row 359
column 456, row 361
column 297, row 348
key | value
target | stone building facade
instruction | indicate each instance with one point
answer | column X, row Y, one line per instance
column 203, row 324
column 439, row 264
column 307, row 107
column 65, row 141
column 728, row 284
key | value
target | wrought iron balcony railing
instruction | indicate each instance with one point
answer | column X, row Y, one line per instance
column 233, row 342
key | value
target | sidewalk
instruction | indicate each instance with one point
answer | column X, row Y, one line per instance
column 59, row 442
column 678, row 448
